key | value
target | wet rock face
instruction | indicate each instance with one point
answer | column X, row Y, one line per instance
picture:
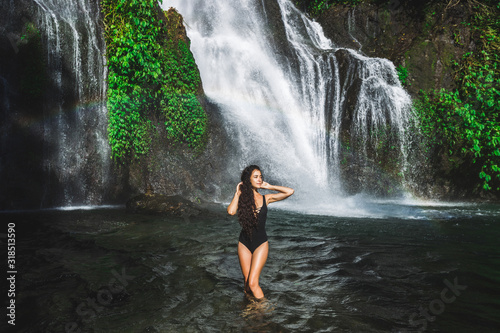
column 22, row 83
column 418, row 35
column 162, row 204
column 53, row 121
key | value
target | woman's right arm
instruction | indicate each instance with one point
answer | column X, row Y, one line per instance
column 233, row 206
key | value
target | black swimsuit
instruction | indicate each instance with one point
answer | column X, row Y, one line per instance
column 259, row 235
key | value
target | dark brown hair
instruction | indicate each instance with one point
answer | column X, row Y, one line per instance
column 246, row 203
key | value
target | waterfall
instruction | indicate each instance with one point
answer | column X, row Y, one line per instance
column 76, row 151
column 285, row 92
column 351, row 26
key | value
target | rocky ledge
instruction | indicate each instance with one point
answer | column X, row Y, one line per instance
column 163, row 204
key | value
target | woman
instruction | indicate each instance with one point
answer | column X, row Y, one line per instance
column 252, row 212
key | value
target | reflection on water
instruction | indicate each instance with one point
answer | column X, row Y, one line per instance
column 109, row 271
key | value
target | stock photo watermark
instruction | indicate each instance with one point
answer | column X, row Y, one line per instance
column 88, row 309
column 419, row 320
column 11, row 273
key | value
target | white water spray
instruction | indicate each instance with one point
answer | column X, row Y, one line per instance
column 286, row 115
column 77, row 156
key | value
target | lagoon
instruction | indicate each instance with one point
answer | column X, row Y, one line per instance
column 431, row 268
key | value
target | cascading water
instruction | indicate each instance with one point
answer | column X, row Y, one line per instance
column 351, row 24
column 291, row 100
column 76, row 151
column 285, row 98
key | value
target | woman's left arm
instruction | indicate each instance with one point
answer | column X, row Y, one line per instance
column 284, row 192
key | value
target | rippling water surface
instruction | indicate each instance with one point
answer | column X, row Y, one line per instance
column 413, row 268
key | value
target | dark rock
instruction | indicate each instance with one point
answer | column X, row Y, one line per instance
column 162, row 204
column 425, row 37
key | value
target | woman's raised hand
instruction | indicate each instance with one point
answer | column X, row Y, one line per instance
column 233, row 206
column 284, row 192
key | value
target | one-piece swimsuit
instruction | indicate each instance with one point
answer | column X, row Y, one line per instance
column 259, row 235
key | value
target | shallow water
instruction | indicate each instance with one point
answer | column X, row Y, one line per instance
column 104, row 270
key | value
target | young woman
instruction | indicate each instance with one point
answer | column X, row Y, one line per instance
column 251, row 207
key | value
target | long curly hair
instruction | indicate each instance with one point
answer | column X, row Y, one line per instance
column 246, row 204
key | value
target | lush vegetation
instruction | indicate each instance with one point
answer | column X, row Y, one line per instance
column 316, row 7
column 402, row 75
column 465, row 122
column 152, row 79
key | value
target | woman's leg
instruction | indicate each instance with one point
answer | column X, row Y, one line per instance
column 245, row 257
column 258, row 261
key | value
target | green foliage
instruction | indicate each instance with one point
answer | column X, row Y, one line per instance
column 457, row 125
column 185, row 118
column 466, row 121
column 152, row 79
column 317, row 7
column 402, row 74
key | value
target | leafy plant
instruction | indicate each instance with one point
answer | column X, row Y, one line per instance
column 317, row 7
column 467, row 120
column 402, row 74
column 152, row 78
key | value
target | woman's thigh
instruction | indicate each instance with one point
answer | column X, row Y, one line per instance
column 259, row 259
column 245, row 257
